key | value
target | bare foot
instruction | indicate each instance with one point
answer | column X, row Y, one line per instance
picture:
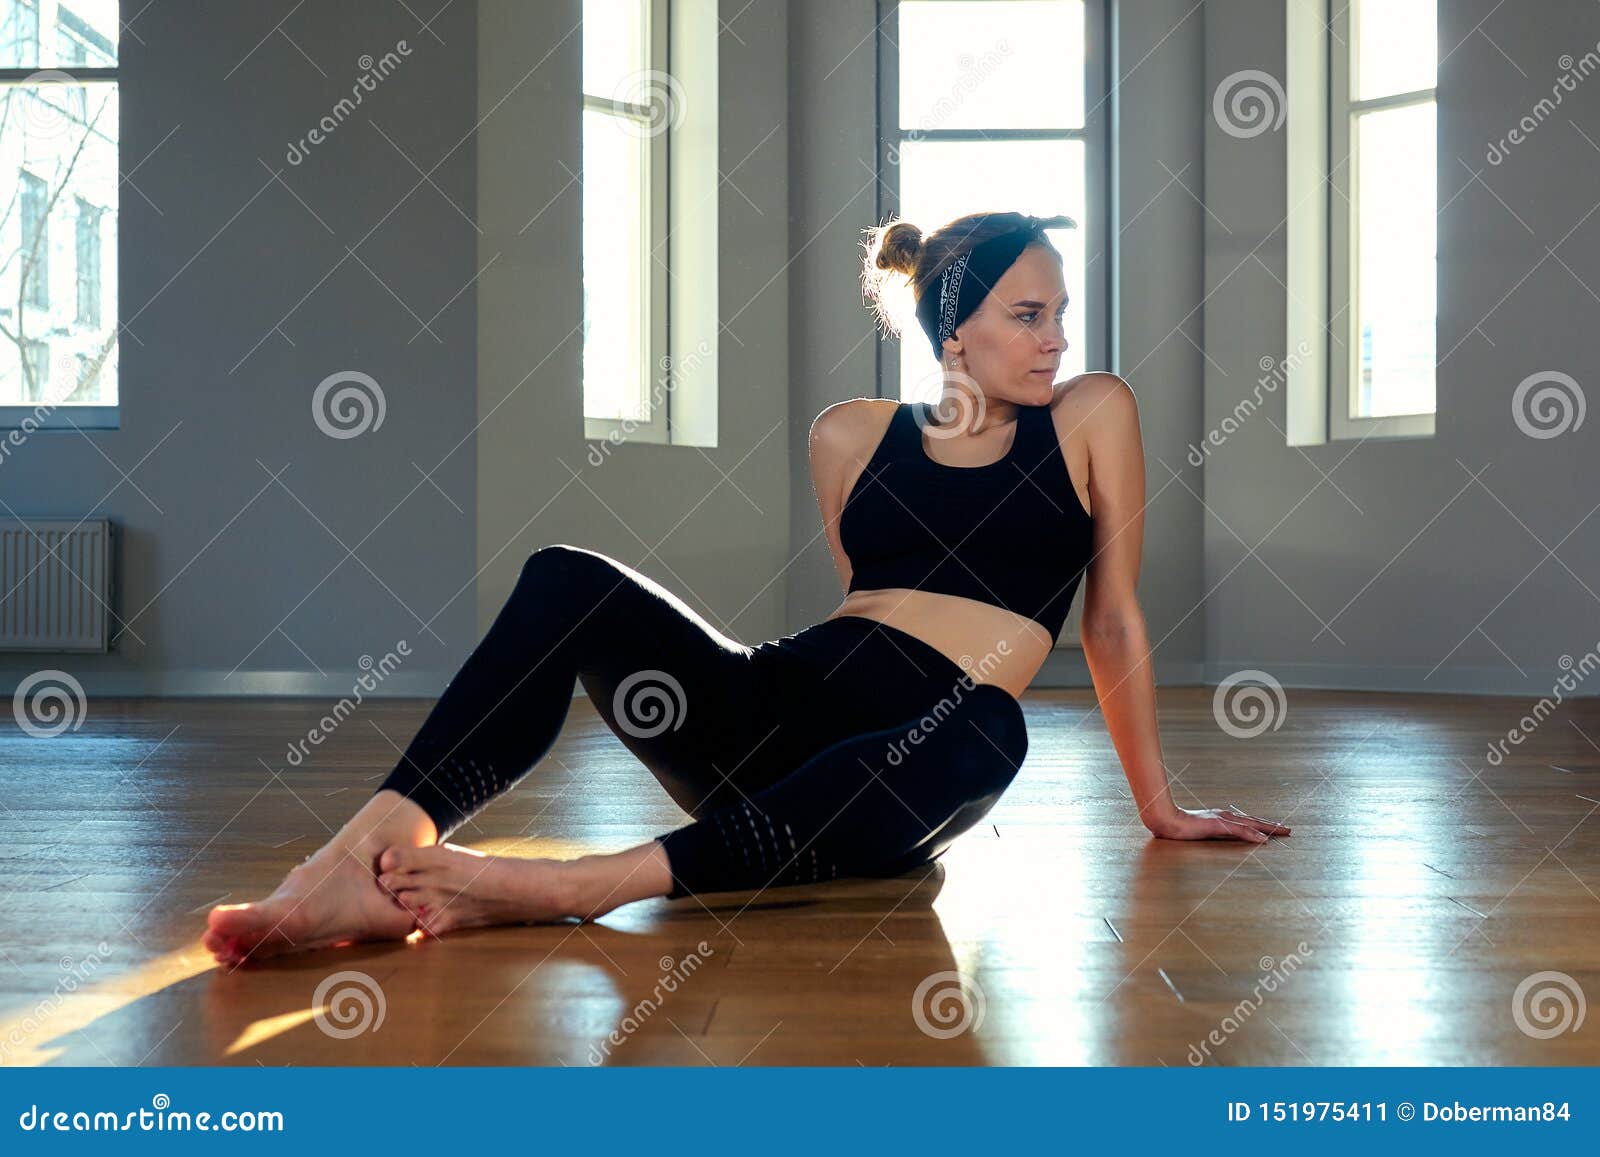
column 332, row 898
column 447, row 887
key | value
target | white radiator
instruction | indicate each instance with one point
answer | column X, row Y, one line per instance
column 55, row 584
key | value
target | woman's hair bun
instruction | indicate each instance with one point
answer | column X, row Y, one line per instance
column 899, row 248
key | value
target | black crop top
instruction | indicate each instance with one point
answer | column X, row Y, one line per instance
column 1011, row 533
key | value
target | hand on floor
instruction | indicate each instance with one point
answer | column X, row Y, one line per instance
column 1215, row 824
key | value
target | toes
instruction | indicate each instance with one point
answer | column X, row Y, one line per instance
column 260, row 929
column 403, row 858
column 219, row 945
column 224, row 949
column 415, row 899
column 235, row 919
column 429, row 907
column 220, row 915
column 401, row 866
column 431, row 859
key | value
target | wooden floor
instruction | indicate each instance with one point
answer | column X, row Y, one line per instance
column 1421, row 886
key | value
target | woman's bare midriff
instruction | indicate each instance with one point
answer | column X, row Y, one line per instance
column 991, row 644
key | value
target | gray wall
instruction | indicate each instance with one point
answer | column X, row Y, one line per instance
column 240, row 295
column 444, row 509
column 1431, row 580
column 709, row 524
column 1159, row 312
column 1436, row 582
column 832, row 74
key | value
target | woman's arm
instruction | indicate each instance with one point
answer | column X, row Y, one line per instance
column 832, row 445
column 1115, row 641
column 843, row 438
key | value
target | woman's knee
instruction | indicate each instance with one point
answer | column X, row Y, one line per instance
column 561, row 569
column 559, row 587
column 559, row 560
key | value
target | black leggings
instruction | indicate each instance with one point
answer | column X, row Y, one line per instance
column 850, row 748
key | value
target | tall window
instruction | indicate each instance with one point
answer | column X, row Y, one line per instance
column 19, row 31
column 34, row 258
column 1383, row 217
column 36, row 356
column 629, row 108
column 999, row 105
column 59, row 112
column 88, row 254
column 75, row 50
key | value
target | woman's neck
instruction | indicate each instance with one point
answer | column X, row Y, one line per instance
column 965, row 408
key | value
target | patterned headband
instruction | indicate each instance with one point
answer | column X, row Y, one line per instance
column 967, row 280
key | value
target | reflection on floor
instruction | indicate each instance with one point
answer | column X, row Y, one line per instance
column 1430, row 907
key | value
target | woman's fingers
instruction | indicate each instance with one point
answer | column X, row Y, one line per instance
column 1232, row 829
column 1271, row 827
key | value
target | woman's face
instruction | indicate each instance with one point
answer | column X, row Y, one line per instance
column 1012, row 343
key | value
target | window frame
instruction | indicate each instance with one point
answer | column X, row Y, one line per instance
column 1100, row 241
column 656, row 254
column 43, row 416
column 40, row 344
column 1343, row 189
column 1100, row 346
column 35, row 190
column 87, row 251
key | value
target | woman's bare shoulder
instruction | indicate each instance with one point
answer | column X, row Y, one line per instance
column 1098, row 403
column 844, row 428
